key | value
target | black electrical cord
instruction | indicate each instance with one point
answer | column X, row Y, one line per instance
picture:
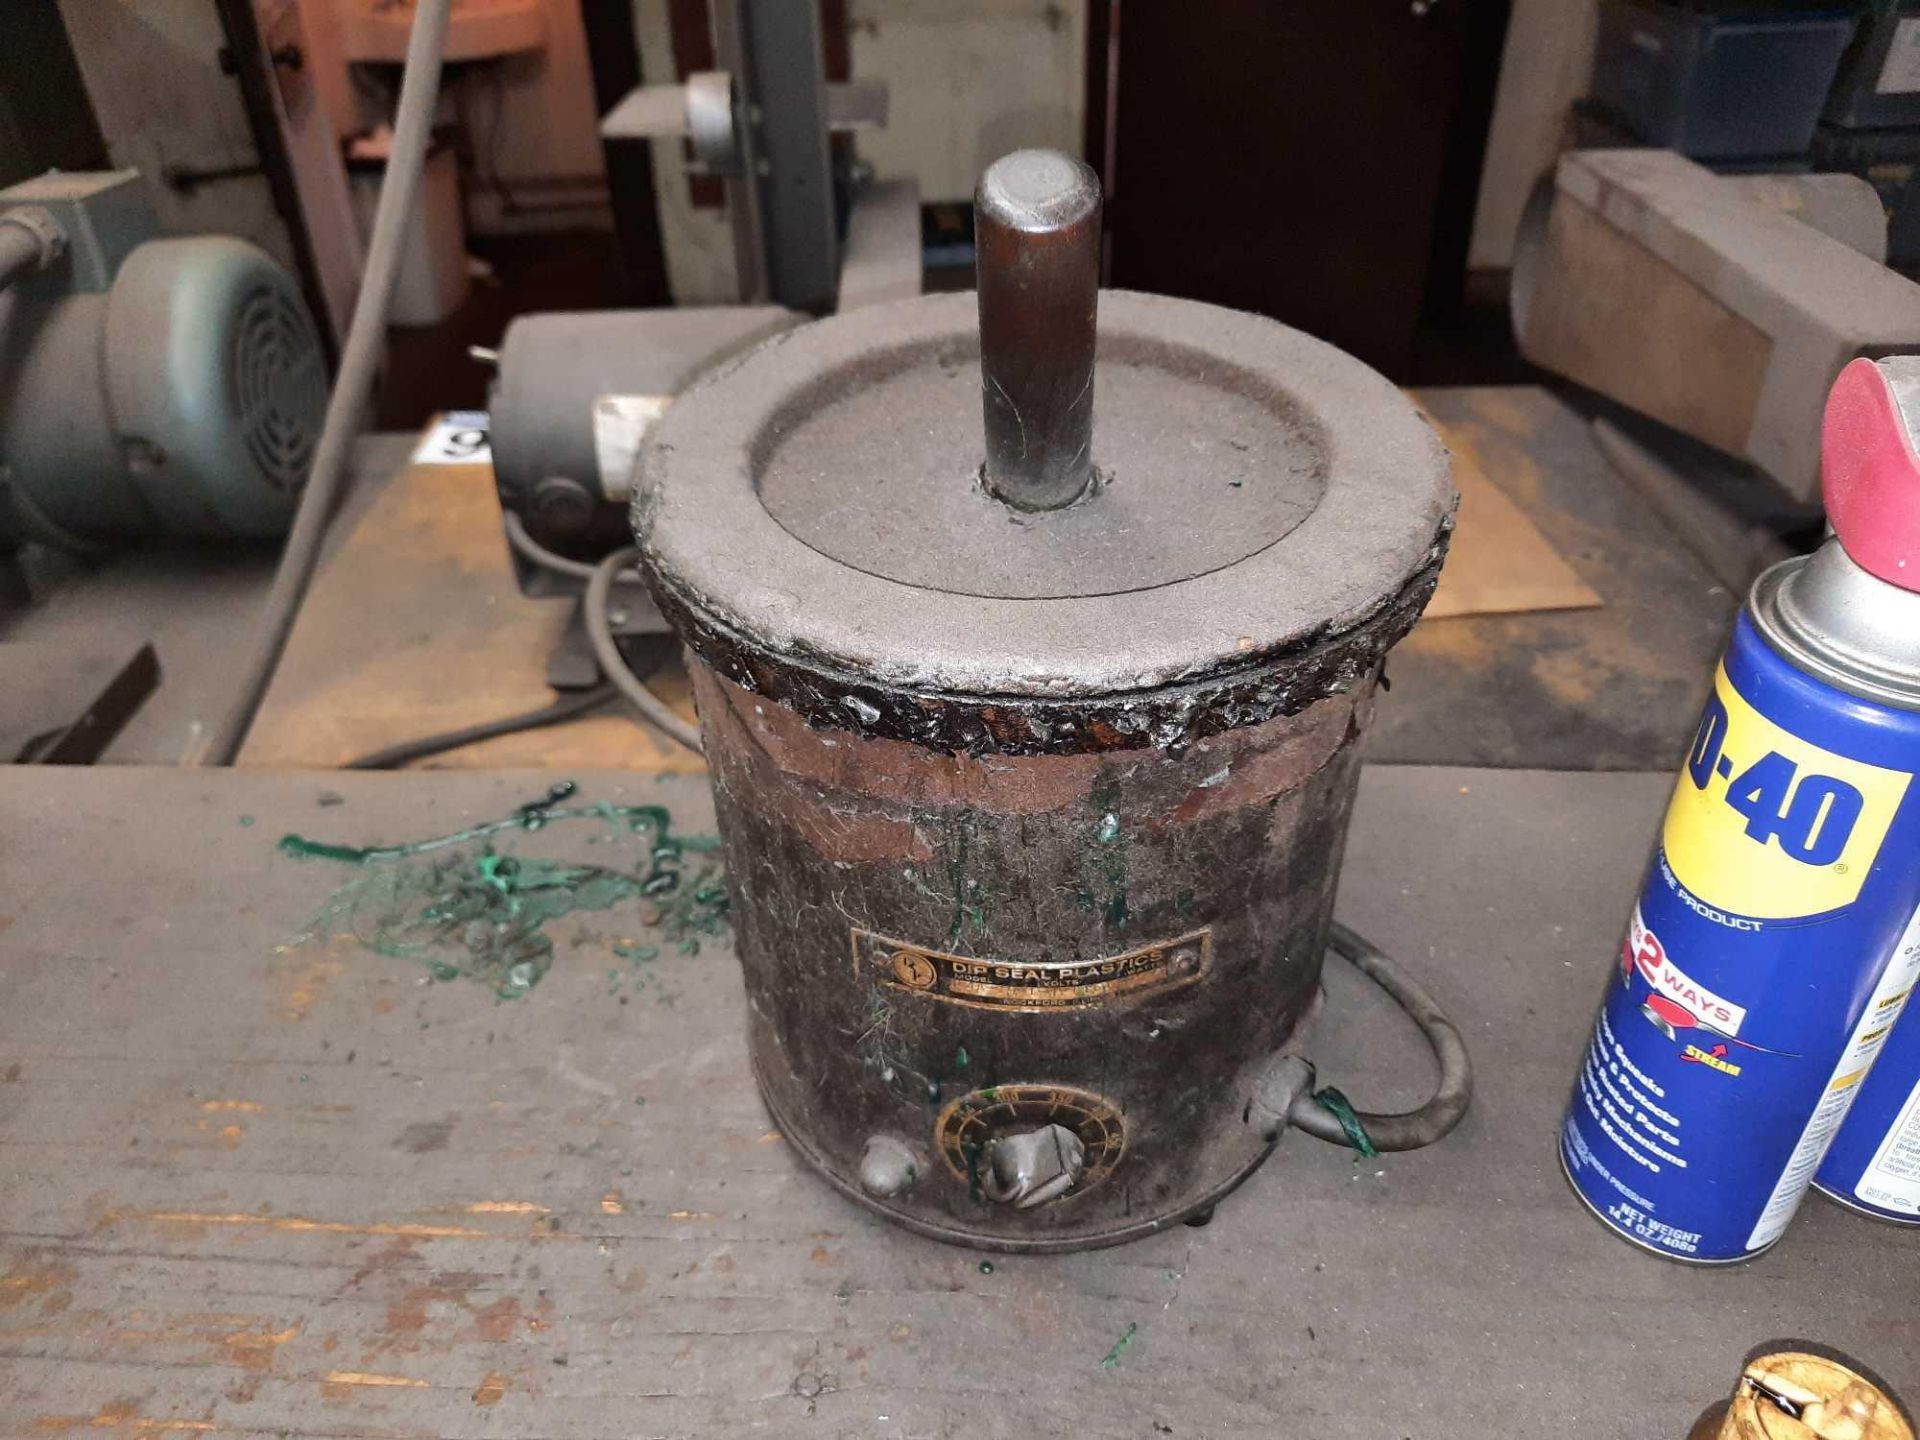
column 593, row 611
column 1452, row 1092
column 392, row 757
column 536, row 553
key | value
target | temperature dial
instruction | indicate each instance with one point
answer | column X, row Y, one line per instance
column 1026, row 1144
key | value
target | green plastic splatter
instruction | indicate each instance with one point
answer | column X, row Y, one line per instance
column 986, row 1267
column 1112, row 1357
column 959, row 849
column 971, row 1151
column 637, row 819
column 1338, row 1106
column 483, row 914
column 246, row 822
column 1108, row 858
column 960, row 1060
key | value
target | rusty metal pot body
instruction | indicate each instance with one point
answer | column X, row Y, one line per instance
column 1034, row 855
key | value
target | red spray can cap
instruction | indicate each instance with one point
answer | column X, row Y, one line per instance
column 1870, row 467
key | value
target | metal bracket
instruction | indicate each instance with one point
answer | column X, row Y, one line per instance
column 713, row 122
column 666, row 112
column 56, row 710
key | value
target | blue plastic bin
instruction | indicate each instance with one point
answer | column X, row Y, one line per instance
column 1718, row 84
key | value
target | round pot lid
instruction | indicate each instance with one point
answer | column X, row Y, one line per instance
column 1255, row 490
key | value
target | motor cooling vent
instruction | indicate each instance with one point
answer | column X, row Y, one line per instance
column 279, row 386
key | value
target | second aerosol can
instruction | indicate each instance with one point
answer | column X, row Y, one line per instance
column 1873, row 1165
column 1777, row 936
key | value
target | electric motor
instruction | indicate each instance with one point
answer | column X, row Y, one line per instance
column 151, row 385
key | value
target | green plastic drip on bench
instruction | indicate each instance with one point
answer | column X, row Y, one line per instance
column 532, row 817
column 483, row 914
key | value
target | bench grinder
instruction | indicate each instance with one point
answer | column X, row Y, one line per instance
column 1033, row 748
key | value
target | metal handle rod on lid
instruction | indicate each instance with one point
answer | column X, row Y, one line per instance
column 1037, row 236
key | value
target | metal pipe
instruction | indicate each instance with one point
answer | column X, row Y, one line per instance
column 1037, row 236
column 19, row 254
column 352, row 385
column 30, row 240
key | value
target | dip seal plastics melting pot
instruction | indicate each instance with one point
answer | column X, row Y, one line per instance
column 1033, row 742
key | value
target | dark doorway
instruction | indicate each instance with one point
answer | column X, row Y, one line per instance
column 46, row 122
column 1312, row 160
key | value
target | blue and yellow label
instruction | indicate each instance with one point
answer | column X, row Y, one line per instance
column 1766, row 824
column 1761, row 970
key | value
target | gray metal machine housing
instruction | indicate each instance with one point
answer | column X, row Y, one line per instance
column 147, row 384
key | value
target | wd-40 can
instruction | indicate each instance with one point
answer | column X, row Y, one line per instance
column 1873, row 1165
column 1778, row 932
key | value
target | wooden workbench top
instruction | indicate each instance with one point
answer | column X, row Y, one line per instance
column 258, row 1184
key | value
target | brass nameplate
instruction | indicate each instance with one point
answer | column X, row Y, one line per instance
column 1052, row 985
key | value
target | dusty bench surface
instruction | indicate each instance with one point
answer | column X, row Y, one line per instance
column 258, row 1184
